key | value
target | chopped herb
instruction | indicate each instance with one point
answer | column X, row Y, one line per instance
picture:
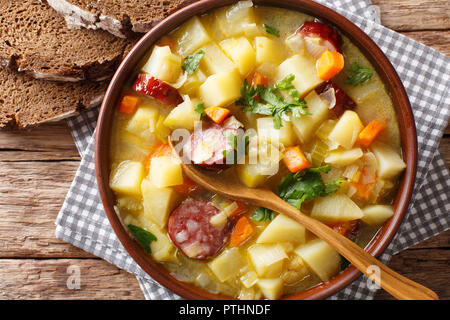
column 200, row 108
column 359, row 75
column 306, row 184
column 287, row 85
column 192, row 62
column 143, row 237
column 271, row 30
column 270, row 102
column 262, row 214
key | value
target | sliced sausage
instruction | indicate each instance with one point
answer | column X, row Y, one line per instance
column 152, row 87
column 207, row 147
column 343, row 101
column 330, row 36
column 191, row 230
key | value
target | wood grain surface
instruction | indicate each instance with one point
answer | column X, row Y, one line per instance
column 38, row 166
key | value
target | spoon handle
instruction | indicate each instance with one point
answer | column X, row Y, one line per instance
column 394, row 283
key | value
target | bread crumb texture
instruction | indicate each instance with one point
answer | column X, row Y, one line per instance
column 26, row 102
column 36, row 40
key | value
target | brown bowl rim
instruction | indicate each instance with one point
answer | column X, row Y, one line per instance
column 384, row 68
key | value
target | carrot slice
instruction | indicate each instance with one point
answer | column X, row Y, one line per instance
column 259, row 79
column 217, row 114
column 364, row 191
column 241, row 208
column 370, row 132
column 128, row 104
column 188, row 187
column 242, row 231
column 330, row 64
column 294, row 159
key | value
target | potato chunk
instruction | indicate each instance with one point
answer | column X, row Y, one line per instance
column 237, row 19
column 127, row 177
column 162, row 249
column 184, row 115
column 271, row 288
column 144, row 119
column 336, row 208
column 346, row 130
column 268, row 51
column 191, row 36
column 306, row 125
column 227, row 265
column 165, row 171
column 304, row 69
column 215, row 61
column 390, row 164
column 241, row 52
column 321, row 258
column 220, row 89
column 376, row 215
column 163, row 64
column 267, row 259
column 343, row 158
column 266, row 131
column 282, row 229
column 263, row 161
column 158, row 202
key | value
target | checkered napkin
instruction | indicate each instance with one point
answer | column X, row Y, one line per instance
column 426, row 76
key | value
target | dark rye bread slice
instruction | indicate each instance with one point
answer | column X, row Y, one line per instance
column 34, row 38
column 26, row 102
column 119, row 17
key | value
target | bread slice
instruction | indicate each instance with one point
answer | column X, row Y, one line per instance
column 34, row 38
column 119, row 17
column 26, row 102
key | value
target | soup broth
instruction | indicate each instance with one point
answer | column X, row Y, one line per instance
column 290, row 93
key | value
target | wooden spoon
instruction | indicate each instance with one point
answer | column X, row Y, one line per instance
column 394, row 283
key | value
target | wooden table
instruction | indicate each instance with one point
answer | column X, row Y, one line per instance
column 37, row 168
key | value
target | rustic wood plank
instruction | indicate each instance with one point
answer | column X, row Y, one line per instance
column 438, row 40
column 428, row 267
column 414, row 14
column 32, row 195
column 442, row 241
column 47, row 279
column 48, row 142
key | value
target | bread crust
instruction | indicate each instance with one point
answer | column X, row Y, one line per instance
column 121, row 23
column 26, row 102
column 40, row 45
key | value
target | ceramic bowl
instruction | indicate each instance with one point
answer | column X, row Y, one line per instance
column 359, row 38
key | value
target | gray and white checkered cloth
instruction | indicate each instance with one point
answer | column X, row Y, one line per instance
column 426, row 76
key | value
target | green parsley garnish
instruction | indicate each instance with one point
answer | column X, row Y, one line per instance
column 287, row 85
column 262, row 214
column 359, row 75
column 143, row 237
column 192, row 62
column 271, row 30
column 270, row 102
column 200, row 108
column 306, row 184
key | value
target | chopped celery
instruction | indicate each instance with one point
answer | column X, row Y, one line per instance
column 318, row 153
